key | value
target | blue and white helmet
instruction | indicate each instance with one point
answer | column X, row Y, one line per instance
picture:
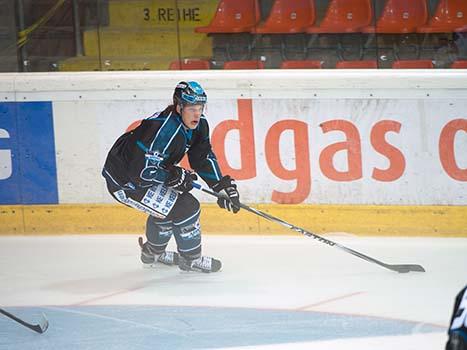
column 189, row 93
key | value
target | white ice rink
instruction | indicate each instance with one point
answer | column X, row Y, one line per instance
column 274, row 292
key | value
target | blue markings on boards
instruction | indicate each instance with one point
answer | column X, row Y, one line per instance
column 28, row 171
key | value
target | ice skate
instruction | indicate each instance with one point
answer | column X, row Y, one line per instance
column 149, row 257
column 169, row 258
column 202, row 264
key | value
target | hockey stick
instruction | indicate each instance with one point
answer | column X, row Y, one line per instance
column 403, row 268
column 41, row 327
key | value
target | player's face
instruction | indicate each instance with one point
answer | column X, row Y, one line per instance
column 191, row 115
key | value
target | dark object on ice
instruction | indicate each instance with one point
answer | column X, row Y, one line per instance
column 404, row 268
column 41, row 327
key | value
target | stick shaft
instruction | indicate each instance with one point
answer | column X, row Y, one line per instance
column 398, row 268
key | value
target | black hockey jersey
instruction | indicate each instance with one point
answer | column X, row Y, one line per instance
column 458, row 325
column 144, row 156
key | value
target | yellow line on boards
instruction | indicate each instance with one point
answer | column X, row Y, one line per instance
column 367, row 220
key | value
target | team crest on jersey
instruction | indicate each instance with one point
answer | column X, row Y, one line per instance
column 154, row 158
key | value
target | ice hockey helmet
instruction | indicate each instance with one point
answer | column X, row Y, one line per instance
column 189, row 93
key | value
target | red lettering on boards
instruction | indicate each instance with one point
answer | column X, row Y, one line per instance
column 446, row 149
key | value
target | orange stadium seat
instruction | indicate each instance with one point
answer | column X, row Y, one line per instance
column 233, row 16
column 450, row 16
column 412, row 64
column 345, row 16
column 189, row 64
column 301, row 64
column 288, row 17
column 462, row 64
column 400, row 16
column 357, row 64
column 244, row 65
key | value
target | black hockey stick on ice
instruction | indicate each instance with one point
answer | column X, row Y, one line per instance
column 403, row 268
column 41, row 327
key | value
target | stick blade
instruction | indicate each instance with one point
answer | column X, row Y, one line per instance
column 42, row 326
column 406, row 268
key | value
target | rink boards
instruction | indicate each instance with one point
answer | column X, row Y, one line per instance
column 379, row 152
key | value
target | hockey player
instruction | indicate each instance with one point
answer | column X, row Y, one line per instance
column 141, row 171
column 458, row 327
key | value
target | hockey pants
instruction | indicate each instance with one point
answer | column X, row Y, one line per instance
column 182, row 220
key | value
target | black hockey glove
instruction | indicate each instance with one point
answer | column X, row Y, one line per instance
column 227, row 186
column 180, row 179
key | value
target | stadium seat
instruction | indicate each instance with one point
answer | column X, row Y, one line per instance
column 189, row 64
column 357, row 64
column 462, row 64
column 233, row 16
column 450, row 16
column 288, row 17
column 345, row 16
column 400, row 16
column 244, row 65
column 301, row 64
column 412, row 64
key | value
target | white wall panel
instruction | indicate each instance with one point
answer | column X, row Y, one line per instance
column 92, row 109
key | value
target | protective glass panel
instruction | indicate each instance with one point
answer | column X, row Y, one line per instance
column 95, row 35
column 8, row 45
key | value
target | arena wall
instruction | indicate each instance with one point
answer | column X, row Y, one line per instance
column 379, row 152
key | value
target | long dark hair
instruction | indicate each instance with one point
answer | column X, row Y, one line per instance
column 170, row 108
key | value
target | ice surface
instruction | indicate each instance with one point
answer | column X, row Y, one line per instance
column 274, row 292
